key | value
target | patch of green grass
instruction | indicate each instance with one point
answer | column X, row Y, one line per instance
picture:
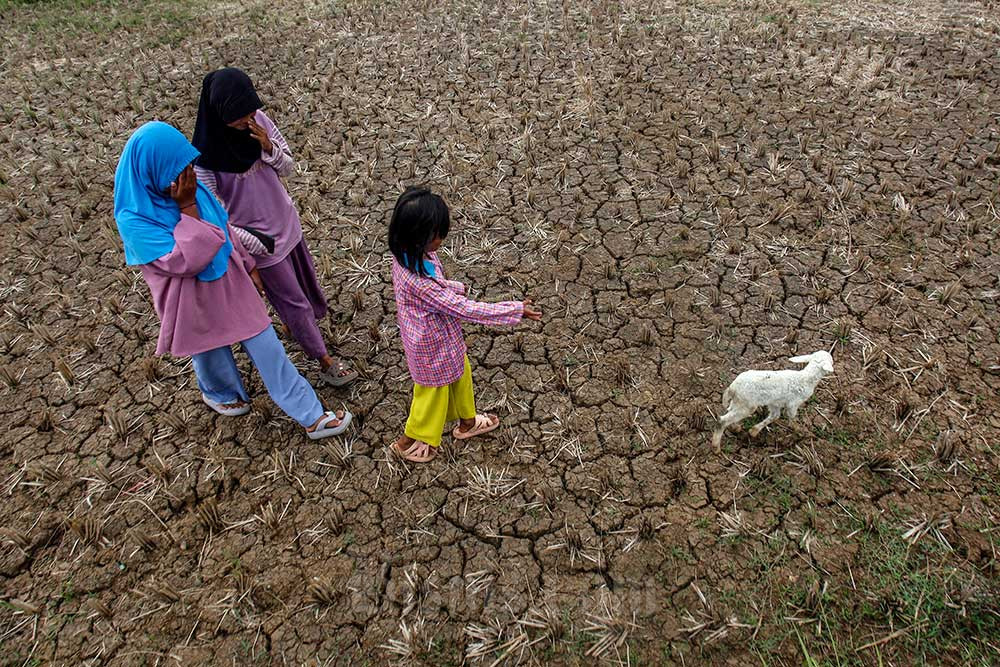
column 679, row 553
column 68, row 592
column 765, row 646
column 6, row 5
column 839, row 437
column 777, row 488
column 157, row 22
column 441, row 652
column 768, row 556
column 946, row 611
column 809, row 661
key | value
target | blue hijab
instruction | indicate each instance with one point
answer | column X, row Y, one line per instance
column 153, row 158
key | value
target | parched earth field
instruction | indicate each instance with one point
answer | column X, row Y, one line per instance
column 688, row 189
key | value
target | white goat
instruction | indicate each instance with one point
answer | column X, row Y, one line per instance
column 774, row 389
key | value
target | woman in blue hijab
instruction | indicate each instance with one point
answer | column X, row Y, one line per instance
column 203, row 282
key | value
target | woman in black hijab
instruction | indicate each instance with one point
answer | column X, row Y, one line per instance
column 243, row 157
column 227, row 106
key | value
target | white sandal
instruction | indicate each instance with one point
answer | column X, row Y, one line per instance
column 230, row 411
column 323, row 431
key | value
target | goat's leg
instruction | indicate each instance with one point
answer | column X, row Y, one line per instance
column 725, row 421
column 792, row 410
column 773, row 412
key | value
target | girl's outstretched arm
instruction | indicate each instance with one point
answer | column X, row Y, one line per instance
column 442, row 299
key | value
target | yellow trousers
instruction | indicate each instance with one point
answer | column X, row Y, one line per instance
column 433, row 407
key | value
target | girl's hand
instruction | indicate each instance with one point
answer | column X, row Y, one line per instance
column 184, row 188
column 260, row 134
column 257, row 282
column 530, row 312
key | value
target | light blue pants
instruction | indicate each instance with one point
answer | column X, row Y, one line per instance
column 219, row 379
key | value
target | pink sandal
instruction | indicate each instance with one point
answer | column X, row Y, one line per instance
column 410, row 454
column 484, row 424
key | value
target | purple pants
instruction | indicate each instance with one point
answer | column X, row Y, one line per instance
column 293, row 290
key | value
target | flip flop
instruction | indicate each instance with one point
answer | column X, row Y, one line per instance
column 221, row 408
column 322, row 431
column 411, row 452
column 482, row 425
column 332, row 375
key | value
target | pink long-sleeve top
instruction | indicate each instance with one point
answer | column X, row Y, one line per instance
column 430, row 312
column 195, row 315
column 258, row 199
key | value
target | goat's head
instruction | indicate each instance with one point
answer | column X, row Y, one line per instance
column 821, row 359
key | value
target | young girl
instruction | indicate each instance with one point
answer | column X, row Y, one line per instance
column 243, row 156
column 430, row 310
column 203, row 281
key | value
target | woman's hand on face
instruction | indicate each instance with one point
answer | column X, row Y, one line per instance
column 184, row 188
column 530, row 312
column 260, row 134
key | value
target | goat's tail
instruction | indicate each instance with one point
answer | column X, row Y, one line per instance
column 726, row 398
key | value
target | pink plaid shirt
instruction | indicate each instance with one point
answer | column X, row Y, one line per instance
column 430, row 312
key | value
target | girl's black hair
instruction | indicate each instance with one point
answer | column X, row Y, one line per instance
column 418, row 218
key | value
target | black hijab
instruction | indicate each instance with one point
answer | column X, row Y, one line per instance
column 226, row 95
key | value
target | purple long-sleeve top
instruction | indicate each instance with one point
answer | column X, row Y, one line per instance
column 258, row 199
column 197, row 315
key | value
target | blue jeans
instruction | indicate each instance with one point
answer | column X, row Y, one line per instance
column 219, row 379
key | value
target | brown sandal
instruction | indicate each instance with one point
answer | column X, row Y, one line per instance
column 410, row 454
column 484, row 424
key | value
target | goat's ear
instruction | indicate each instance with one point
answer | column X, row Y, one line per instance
column 804, row 359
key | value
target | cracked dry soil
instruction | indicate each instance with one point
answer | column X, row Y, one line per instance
column 687, row 189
